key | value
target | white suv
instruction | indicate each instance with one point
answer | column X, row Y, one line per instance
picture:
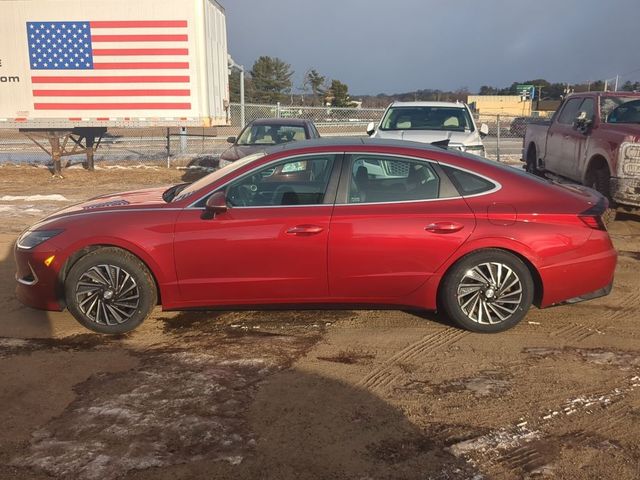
column 431, row 122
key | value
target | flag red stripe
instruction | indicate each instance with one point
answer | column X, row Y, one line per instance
column 139, row 38
column 111, row 79
column 112, row 106
column 140, row 51
column 139, row 24
column 141, row 66
column 111, row 93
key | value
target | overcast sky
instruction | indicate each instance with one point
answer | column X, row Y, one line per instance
column 403, row 45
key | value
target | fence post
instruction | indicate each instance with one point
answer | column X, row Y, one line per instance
column 498, row 139
column 278, row 110
column 183, row 140
column 168, row 147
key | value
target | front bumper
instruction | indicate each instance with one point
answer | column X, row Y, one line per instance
column 37, row 285
column 626, row 191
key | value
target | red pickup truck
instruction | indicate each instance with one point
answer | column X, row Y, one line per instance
column 593, row 139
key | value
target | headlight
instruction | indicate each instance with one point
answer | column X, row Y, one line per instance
column 629, row 160
column 475, row 150
column 32, row 238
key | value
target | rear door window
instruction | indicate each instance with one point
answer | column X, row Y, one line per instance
column 377, row 179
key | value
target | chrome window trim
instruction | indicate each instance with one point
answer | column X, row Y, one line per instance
column 498, row 185
column 193, row 207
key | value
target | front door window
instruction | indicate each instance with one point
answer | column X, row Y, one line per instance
column 295, row 181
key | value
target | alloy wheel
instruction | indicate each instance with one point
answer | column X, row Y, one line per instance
column 107, row 294
column 490, row 293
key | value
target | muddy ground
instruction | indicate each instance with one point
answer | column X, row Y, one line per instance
column 312, row 394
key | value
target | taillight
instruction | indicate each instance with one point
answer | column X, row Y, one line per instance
column 593, row 221
column 592, row 217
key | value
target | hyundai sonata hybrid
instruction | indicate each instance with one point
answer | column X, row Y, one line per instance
column 326, row 223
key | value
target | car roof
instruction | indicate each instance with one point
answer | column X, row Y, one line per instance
column 429, row 104
column 280, row 121
column 603, row 94
column 329, row 142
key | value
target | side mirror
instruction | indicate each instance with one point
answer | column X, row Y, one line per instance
column 231, row 139
column 371, row 128
column 582, row 122
column 216, row 204
column 484, row 130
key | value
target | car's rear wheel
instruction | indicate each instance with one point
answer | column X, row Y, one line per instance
column 110, row 291
column 487, row 291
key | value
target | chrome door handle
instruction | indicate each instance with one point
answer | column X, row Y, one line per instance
column 305, row 230
column 444, row 227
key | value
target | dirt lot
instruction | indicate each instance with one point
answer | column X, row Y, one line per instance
column 313, row 394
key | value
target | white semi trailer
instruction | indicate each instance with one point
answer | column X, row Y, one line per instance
column 70, row 69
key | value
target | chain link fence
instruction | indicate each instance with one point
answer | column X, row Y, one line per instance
column 201, row 147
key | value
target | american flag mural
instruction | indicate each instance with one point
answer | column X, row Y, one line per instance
column 109, row 65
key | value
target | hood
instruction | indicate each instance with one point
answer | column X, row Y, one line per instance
column 148, row 197
column 236, row 152
column 430, row 136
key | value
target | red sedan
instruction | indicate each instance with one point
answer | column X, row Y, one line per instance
column 328, row 222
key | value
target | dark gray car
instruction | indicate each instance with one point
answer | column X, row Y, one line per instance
column 265, row 132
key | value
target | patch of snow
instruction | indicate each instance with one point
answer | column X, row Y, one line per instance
column 35, row 198
column 502, row 439
column 13, row 342
column 185, row 407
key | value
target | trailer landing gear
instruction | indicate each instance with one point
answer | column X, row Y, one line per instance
column 64, row 143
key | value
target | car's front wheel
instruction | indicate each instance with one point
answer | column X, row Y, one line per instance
column 109, row 290
column 487, row 291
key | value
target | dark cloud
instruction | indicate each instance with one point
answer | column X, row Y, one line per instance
column 401, row 45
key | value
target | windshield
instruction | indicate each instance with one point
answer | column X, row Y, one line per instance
column 427, row 118
column 609, row 104
column 626, row 113
column 212, row 177
column 271, row 134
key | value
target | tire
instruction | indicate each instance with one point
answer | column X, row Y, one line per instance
column 532, row 162
column 599, row 179
column 110, row 291
column 471, row 296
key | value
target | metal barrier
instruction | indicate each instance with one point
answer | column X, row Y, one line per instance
column 176, row 147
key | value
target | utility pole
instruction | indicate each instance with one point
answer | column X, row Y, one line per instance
column 233, row 64
column 615, row 89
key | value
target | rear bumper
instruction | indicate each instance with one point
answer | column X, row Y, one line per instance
column 602, row 292
column 37, row 285
column 581, row 274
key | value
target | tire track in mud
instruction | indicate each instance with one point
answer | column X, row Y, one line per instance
column 593, row 420
column 576, row 332
column 612, row 426
column 625, row 307
column 524, row 458
column 383, row 377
